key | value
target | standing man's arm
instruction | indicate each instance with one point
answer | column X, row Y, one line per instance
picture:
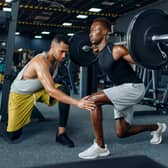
column 122, row 52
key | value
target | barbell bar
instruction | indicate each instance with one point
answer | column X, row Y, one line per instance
column 155, row 38
column 146, row 41
column 160, row 38
column 120, row 43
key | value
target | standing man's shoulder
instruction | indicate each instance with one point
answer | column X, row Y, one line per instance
column 119, row 51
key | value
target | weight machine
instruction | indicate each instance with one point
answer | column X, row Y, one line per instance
column 155, row 95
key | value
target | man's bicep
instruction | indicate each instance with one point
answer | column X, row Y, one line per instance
column 44, row 76
column 125, row 54
column 129, row 58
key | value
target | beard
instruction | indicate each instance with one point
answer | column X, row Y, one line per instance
column 96, row 41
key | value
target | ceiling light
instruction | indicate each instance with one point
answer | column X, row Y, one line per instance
column 17, row 33
column 3, row 43
column 95, row 9
column 8, row 1
column 38, row 37
column 20, row 49
column 67, row 24
column 45, row 32
column 70, row 34
column 82, row 16
column 7, row 9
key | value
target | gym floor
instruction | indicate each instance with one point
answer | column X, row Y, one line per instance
column 37, row 146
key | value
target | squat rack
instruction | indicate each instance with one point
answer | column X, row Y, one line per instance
column 11, row 20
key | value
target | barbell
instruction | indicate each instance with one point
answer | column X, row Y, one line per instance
column 146, row 41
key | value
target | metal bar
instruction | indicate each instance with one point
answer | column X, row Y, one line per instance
column 165, row 95
column 120, row 43
column 160, row 38
column 83, row 81
column 9, row 60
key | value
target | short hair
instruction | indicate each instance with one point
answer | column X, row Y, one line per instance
column 61, row 38
column 104, row 21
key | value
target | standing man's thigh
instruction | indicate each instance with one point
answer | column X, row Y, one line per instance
column 124, row 97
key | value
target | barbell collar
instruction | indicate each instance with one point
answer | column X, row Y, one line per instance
column 86, row 48
column 160, row 38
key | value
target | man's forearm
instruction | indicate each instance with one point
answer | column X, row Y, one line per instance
column 62, row 97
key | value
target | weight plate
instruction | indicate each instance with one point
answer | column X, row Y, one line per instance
column 139, row 37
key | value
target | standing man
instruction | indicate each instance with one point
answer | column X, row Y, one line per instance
column 35, row 83
column 127, row 91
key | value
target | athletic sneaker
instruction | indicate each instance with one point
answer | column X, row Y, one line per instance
column 94, row 151
column 157, row 135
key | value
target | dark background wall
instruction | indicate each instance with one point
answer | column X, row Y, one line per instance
column 121, row 25
column 31, row 44
column 39, row 44
column 22, row 42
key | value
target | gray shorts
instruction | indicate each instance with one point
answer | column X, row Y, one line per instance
column 124, row 97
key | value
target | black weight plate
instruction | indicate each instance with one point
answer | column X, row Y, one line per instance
column 141, row 29
column 77, row 55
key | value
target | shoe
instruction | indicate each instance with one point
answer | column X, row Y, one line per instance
column 64, row 140
column 157, row 135
column 94, row 151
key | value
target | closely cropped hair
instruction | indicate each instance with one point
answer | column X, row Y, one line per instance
column 61, row 38
column 104, row 21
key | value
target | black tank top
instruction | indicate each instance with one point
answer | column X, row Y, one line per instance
column 119, row 71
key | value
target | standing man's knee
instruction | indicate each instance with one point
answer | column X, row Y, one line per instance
column 93, row 98
column 121, row 128
column 120, row 132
